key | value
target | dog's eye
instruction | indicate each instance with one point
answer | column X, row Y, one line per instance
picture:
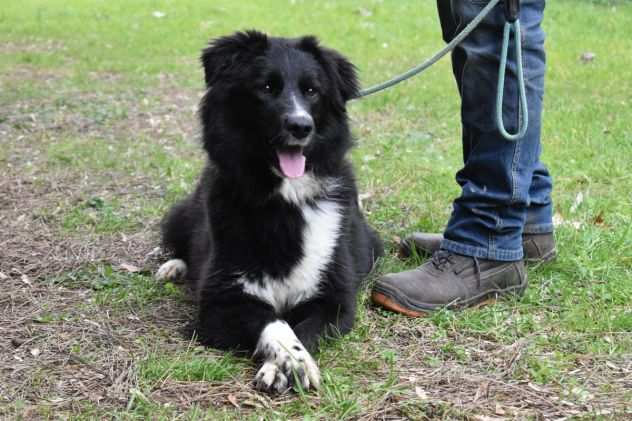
column 271, row 88
column 311, row 92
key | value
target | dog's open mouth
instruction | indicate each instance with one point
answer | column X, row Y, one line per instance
column 291, row 161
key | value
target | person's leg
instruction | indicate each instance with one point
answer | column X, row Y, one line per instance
column 499, row 180
column 489, row 216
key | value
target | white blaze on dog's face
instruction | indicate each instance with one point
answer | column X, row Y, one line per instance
column 291, row 96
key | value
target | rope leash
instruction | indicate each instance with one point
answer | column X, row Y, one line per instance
column 512, row 11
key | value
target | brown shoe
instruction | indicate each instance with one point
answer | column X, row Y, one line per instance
column 538, row 248
column 451, row 281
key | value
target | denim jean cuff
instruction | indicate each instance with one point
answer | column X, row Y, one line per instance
column 538, row 229
column 481, row 252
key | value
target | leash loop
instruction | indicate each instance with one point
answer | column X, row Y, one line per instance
column 523, row 106
column 512, row 13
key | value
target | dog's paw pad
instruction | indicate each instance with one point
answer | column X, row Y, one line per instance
column 172, row 270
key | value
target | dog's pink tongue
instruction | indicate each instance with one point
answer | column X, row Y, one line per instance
column 292, row 164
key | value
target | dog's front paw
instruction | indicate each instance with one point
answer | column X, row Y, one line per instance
column 270, row 378
column 300, row 368
column 288, row 369
column 286, row 361
column 172, row 270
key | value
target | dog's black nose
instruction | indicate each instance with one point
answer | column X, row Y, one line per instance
column 300, row 125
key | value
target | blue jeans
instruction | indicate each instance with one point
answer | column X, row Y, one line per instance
column 505, row 189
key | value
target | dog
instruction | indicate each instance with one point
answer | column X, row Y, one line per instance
column 273, row 238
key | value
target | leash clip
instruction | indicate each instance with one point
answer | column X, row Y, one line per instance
column 512, row 10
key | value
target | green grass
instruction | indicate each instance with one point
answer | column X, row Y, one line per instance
column 99, row 81
column 189, row 367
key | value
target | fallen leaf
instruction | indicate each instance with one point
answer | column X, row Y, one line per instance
column 95, row 324
column 365, row 13
column 421, row 394
column 26, row 280
column 599, row 219
column 499, row 410
column 253, row 404
column 535, row 388
column 130, row 268
column 587, row 57
column 482, row 391
column 612, row 366
column 233, row 400
column 488, row 418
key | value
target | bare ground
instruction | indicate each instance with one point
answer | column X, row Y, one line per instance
column 88, row 353
column 31, row 191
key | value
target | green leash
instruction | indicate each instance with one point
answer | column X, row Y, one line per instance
column 523, row 107
column 512, row 10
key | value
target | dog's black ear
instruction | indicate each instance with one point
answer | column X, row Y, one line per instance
column 347, row 75
column 223, row 54
column 341, row 69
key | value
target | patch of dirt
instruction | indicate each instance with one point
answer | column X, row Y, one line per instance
column 165, row 114
column 486, row 379
column 60, row 349
column 33, row 244
column 18, row 76
column 31, row 241
column 32, row 46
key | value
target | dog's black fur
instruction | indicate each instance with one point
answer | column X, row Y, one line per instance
column 237, row 227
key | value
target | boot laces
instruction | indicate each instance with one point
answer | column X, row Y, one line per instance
column 443, row 258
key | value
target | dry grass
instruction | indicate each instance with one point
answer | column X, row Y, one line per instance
column 72, row 347
column 60, row 349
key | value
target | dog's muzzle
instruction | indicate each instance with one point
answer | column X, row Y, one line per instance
column 300, row 127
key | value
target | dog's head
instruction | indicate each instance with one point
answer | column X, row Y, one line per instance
column 276, row 103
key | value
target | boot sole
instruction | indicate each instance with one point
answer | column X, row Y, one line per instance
column 393, row 301
column 389, row 304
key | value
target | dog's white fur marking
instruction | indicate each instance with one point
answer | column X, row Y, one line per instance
column 299, row 190
column 320, row 234
column 285, row 359
column 171, row 270
column 298, row 110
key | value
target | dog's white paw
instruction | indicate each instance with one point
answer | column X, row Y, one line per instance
column 270, row 378
column 286, row 361
column 172, row 270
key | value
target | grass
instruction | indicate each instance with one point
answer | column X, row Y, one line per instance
column 97, row 128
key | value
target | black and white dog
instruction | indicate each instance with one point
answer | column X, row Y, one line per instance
column 273, row 236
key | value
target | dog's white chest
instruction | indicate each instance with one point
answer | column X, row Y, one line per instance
column 320, row 235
